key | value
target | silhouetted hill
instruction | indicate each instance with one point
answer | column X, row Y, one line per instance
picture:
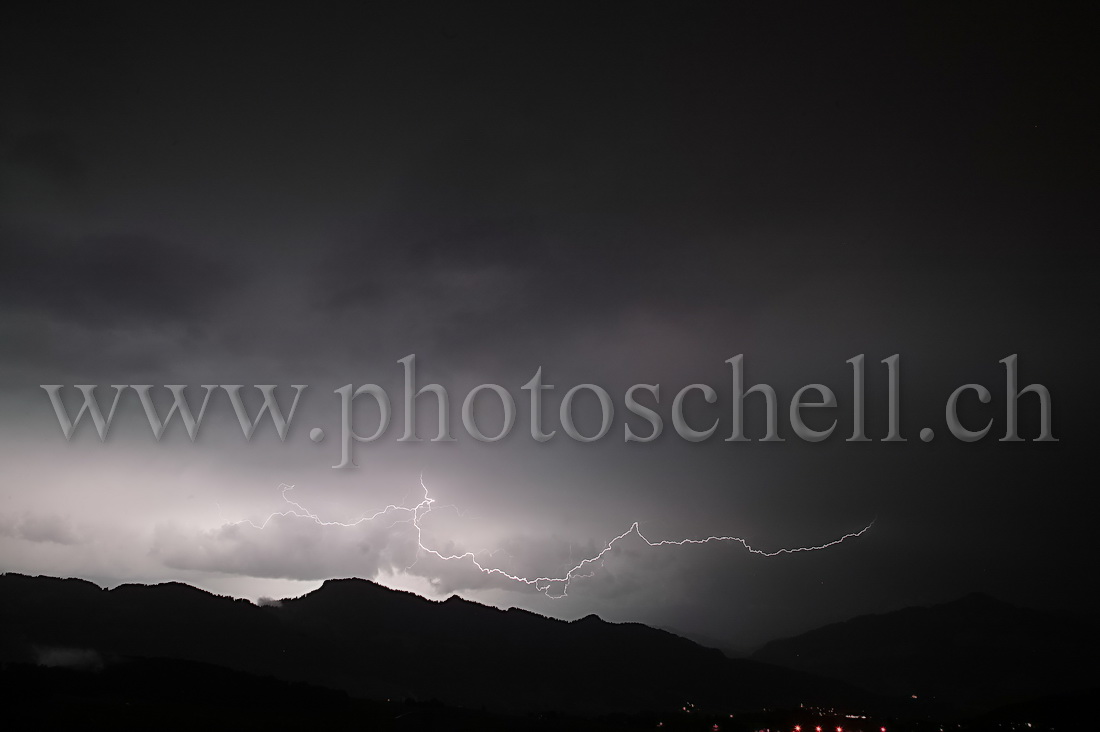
column 1058, row 712
column 167, row 694
column 966, row 656
column 369, row 641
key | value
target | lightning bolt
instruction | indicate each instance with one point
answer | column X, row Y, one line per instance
column 552, row 587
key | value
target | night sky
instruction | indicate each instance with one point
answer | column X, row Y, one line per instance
column 616, row 195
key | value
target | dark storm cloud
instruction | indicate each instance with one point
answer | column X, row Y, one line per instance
column 52, row 152
column 715, row 170
column 63, row 58
column 506, row 279
column 108, row 279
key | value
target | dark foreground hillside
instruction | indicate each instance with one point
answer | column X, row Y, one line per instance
column 367, row 641
column 358, row 655
column 968, row 657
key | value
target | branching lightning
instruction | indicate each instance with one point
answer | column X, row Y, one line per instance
column 552, row 587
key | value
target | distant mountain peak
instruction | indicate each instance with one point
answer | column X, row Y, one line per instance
column 343, row 582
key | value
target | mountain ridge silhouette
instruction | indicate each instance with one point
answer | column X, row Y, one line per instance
column 369, row 641
column 967, row 656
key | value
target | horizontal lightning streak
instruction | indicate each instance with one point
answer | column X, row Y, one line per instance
column 415, row 514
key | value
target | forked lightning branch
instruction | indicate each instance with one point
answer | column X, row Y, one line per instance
column 554, row 587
